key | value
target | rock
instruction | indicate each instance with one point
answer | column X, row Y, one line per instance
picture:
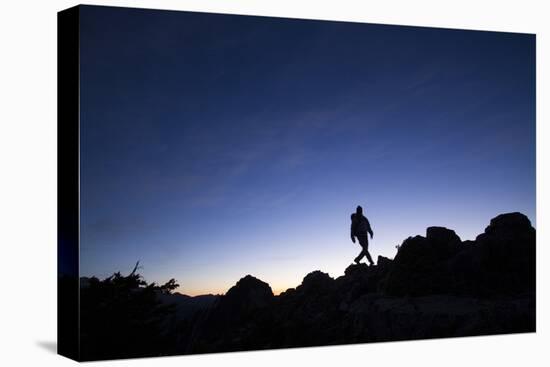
column 238, row 321
column 506, row 252
column 379, row 318
column 442, row 235
column 316, row 282
column 509, row 224
column 421, row 265
column 356, row 270
column 384, row 262
column 288, row 292
column 249, row 293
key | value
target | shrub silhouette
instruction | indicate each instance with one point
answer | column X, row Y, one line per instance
column 121, row 317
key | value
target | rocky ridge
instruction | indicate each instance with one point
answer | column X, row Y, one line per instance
column 436, row 286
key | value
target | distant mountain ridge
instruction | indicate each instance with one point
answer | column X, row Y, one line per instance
column 187, row 306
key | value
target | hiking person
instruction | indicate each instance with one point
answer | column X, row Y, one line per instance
column 360, row 228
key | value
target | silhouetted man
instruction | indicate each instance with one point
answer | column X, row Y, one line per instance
column 360, row 228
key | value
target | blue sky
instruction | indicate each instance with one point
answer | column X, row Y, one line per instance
column 215, row 146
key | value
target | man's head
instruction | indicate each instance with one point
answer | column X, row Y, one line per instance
column 359, row 210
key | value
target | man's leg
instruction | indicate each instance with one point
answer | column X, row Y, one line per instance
column 368, row 257
column 360, row 256
column 364, row 242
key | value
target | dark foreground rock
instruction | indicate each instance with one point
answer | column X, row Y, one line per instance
column 437, row 286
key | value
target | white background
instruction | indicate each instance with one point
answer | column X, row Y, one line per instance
column 28, row 183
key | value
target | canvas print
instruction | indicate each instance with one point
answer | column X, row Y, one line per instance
column 237, row 183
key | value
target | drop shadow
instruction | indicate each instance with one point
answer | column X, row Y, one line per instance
column 50, row 346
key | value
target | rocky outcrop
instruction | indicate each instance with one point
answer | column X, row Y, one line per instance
column 505, row 254
column 436, row 286
column 248, row 295
column 240, row 320
column 421, row 266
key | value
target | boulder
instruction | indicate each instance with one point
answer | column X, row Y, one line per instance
column 509, row 224
column 248, row 294
column 442, row 236
column 383, row 262
column 356, row 270
column 316, row 282
column 506, row 252
column 421, row 264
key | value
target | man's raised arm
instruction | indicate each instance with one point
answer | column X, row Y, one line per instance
column 370, row 229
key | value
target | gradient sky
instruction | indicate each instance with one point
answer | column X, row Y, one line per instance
column 215, row 146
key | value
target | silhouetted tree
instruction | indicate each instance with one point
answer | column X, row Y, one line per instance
column 122, row 317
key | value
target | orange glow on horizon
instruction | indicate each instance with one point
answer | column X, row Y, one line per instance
column 193, row 293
